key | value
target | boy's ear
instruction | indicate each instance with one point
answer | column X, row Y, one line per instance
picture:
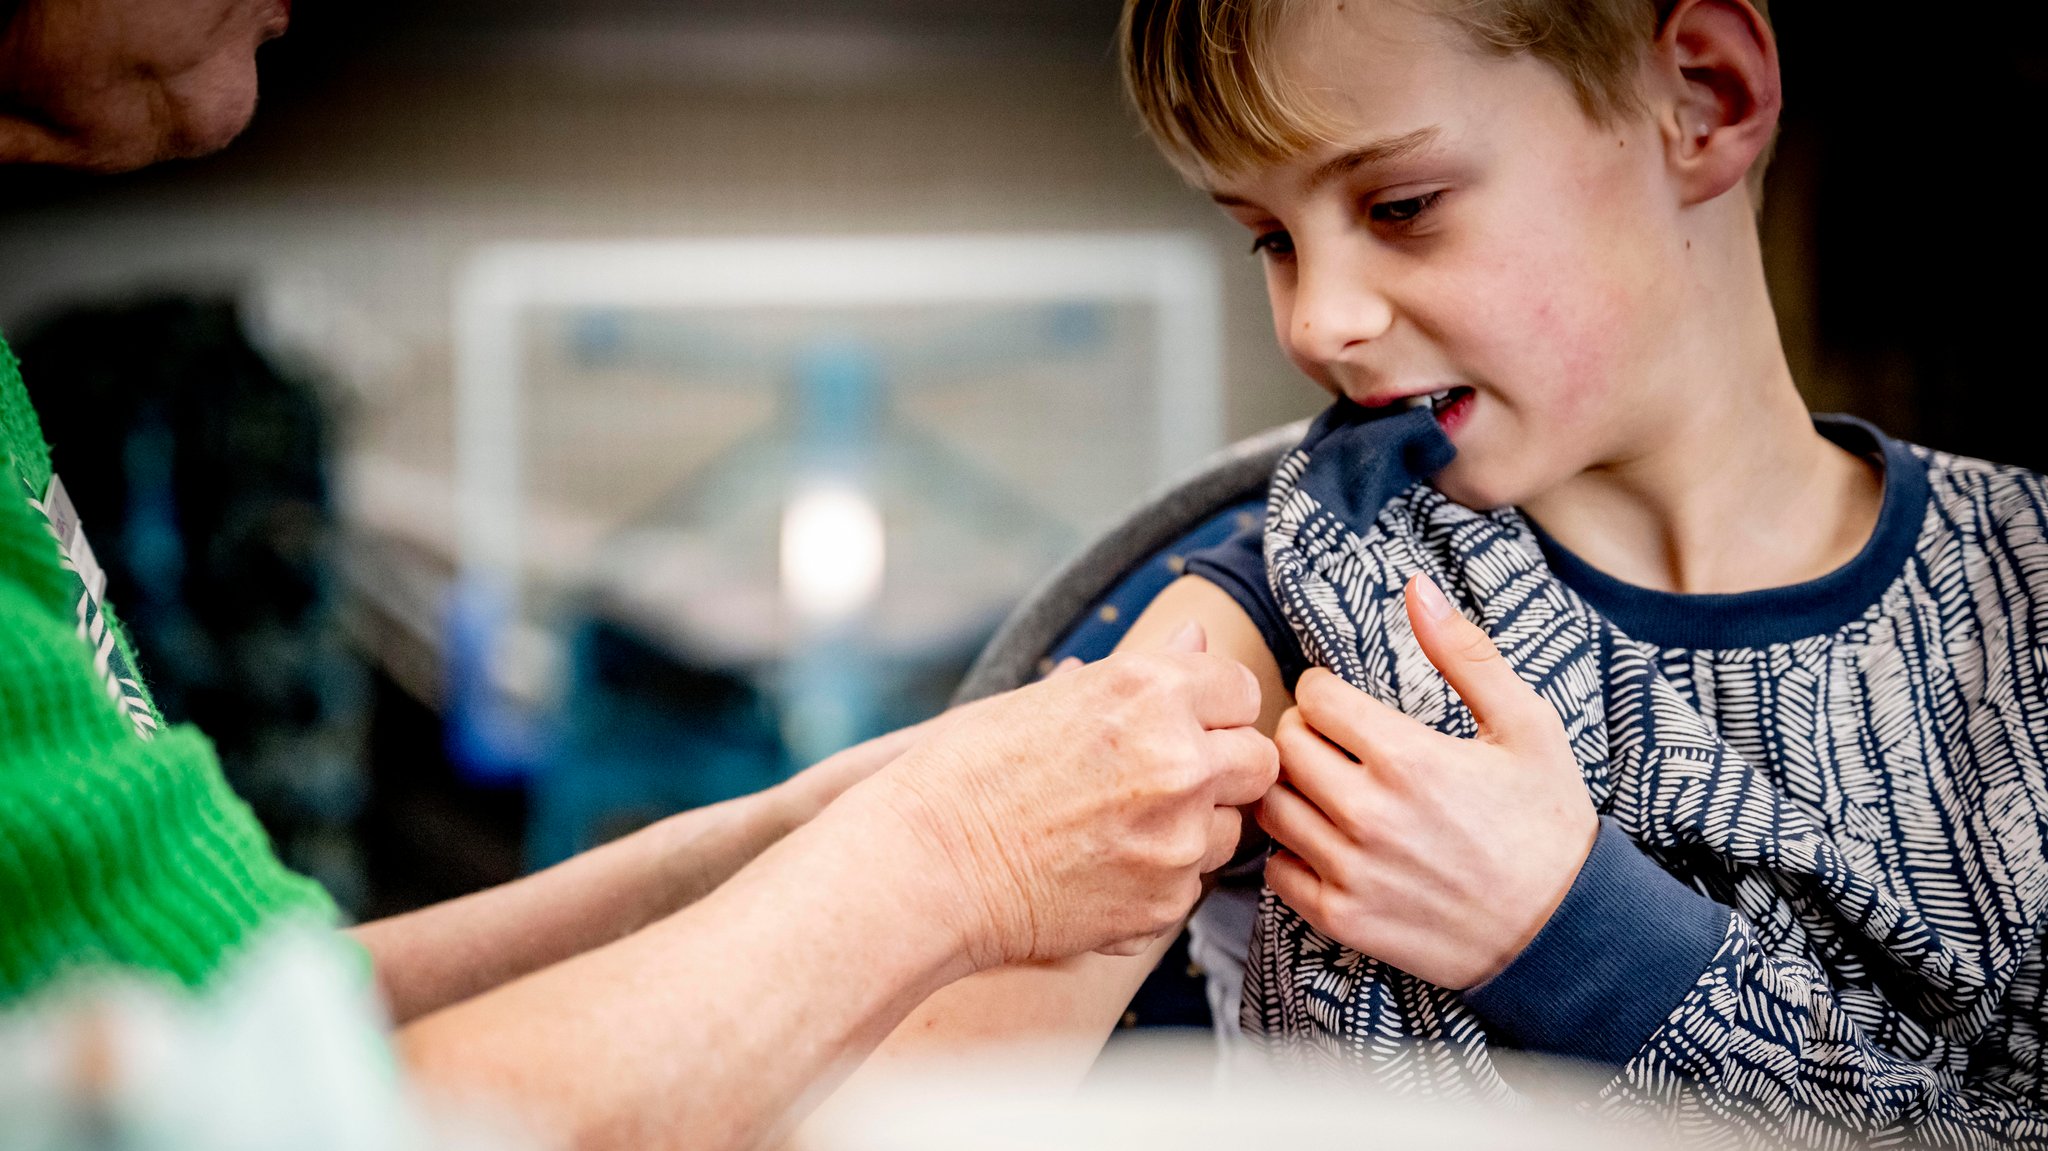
column 1716, row 92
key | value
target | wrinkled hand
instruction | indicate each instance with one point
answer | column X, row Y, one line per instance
column 1439, row 855
column 1080, row 813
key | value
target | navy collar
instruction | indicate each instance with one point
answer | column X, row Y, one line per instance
column 1772, row 615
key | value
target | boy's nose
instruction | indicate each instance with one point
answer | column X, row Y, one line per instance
column 1333, row 315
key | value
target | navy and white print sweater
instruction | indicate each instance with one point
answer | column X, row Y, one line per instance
column 1814, row 910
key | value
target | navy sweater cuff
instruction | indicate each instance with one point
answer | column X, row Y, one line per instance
column 1624, row 948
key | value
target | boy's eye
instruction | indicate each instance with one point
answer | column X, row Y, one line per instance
column 1273, row 244
column 1404, row 211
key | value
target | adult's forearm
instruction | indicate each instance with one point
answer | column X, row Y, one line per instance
column 440, row 955
column 704, row 1029
column 1072, row 815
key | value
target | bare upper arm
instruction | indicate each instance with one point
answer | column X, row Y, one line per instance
column 1231, row 633
column 1066, row 1010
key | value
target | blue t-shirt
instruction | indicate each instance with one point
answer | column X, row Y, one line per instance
column 1815, row 906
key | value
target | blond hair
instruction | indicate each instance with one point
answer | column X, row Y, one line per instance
column 1205, row 79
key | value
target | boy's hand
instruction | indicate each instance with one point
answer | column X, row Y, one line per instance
column 1439, row 855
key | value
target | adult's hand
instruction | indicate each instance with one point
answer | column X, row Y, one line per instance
column 1080, row 813
column 1070, row 815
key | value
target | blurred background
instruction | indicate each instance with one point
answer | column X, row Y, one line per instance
column 555, row 413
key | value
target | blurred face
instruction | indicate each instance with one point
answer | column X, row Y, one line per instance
column 1473, row 241
column 116, row 84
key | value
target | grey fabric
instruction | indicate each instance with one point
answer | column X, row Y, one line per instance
column 1238, row 473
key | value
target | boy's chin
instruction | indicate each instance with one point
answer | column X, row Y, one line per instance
column 1471, row 483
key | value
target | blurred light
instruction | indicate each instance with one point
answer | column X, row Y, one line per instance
column 832, row 552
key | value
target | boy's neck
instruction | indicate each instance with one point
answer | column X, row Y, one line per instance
column 1726, row 486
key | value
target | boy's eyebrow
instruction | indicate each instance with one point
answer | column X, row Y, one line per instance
column 1377, row 152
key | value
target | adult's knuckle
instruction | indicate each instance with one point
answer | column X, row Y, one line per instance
column 1154, row 849
column 1167, row 672
column 1167, row 859
column 1199, row 776
column 1222, row 843
column 1161, row 913
column 1164, row 755
column 1262, row 756
column 1125, row 677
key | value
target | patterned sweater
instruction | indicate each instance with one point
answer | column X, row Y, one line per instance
column 1814, row 910
column 120, row 843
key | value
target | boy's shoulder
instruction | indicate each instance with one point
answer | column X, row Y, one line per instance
column 1986, row 501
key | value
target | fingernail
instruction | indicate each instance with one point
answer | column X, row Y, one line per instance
column 1190, row 633
column 1430, row 598
column 1066, row 665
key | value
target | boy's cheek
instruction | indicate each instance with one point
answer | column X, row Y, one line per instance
column 1518, row 455
column 1535, row 428
column 1571, row 350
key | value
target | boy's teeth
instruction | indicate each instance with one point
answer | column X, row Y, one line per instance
column 1429, row 401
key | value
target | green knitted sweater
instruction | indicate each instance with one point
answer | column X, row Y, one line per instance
column 119, row 844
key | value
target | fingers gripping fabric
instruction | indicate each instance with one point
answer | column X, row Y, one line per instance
column 1867, row 801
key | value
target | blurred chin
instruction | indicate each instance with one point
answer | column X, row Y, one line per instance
column 214, row 107
column 206, row 109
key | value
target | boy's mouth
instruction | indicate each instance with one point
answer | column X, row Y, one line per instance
column 1451, row 405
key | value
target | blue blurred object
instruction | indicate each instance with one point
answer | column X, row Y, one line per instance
column 836, row 406
column 644, row 735
column 490, row 738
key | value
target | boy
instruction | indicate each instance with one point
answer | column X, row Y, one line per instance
column 1748, row 807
